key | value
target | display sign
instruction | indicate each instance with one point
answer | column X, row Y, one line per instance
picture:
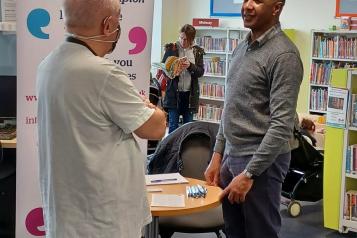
column 337, row 107
column 346, row 8
column 40, row 28
column 210, row 22
column 226, row 8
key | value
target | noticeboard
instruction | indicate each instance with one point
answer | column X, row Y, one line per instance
column 346, row 8
column 226, row 8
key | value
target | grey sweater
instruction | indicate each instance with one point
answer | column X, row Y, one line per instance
column 262, row 87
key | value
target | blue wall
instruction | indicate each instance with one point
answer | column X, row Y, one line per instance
column 7, row 52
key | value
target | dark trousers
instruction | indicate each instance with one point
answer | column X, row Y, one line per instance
column 182, row 109
column 259, row 215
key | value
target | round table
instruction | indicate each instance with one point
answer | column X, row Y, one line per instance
column 192, row 205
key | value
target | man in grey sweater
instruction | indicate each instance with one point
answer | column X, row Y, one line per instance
column 251, row 156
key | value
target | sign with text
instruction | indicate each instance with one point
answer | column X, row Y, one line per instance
column 40, row 28
column 211, row 22
column 337, row 107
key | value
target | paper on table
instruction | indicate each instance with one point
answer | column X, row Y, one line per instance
column 168, row 200
column 157, row 179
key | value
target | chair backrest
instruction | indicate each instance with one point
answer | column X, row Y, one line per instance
column 195, row 154
column 168, row 154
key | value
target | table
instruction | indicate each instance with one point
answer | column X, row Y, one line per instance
column 192, row 205
column 8, row 144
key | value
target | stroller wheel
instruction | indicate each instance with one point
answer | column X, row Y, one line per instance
column 294, row 208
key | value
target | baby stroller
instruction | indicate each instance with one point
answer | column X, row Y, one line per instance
column 304, row 179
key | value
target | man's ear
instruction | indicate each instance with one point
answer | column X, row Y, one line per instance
column 278, row 7
column 106, row 26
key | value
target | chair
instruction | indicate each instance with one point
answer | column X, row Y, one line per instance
column 7, row 197
column 194, row 153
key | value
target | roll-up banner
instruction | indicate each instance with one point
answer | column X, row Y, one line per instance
column 40, row 28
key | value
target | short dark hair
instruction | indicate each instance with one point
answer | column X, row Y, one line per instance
column 190, row 32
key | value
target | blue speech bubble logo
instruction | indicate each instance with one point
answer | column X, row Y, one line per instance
column 37, row 19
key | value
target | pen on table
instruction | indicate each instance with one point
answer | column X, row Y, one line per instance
column 162, row 180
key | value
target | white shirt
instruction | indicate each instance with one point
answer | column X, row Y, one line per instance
column 184, row 83
column 91, row 168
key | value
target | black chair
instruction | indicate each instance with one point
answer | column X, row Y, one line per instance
column 193, row 150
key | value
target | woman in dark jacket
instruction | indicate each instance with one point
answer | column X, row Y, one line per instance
column 182, row 92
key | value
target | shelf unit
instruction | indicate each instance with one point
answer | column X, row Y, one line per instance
column 8, row 27
column 348, row 213
column 330, row 49
column 218, row 44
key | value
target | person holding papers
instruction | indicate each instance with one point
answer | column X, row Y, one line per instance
column 91, row 168
column 182, row 92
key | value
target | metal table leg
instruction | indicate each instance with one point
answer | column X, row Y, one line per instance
column 152, row 229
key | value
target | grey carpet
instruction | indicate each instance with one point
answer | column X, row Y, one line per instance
column 308, row 225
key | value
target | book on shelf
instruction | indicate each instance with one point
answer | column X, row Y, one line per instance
column 320, row 73
column 233, row 43
column 346, row 207
column 209, row 112
column 348, row 160
column 351, row 159
column 211, row 90
column 318, row 99
column 214, row 66
column 208, row 43
column 350, row 205
column 353, row 112
column 333, row 46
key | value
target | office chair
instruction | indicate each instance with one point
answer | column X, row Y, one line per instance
column 195, row 152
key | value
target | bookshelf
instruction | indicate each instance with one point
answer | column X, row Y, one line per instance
column 8, row 27
column 348, row 199
column 330, row 50
column 218, row 44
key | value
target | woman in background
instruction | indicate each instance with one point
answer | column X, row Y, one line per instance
column 182, row 92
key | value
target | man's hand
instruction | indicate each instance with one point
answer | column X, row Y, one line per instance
column 213, row 170
column 237, row 189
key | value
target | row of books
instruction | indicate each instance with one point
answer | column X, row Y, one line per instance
column 347, row 48
column 209, row 112
column 214, row 67
column 321, row 73
column 350, row 205
column 212, row 44
column 351, row 159
column 233, row 43
column 212, row 90
column 340, row 47
column 318, row 99
column 217, row 44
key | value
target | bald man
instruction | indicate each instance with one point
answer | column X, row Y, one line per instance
column 91, row 168
column 252, row 155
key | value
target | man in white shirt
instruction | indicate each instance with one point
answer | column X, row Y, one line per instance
column 91, row 169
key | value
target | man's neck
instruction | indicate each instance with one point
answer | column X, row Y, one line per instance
column 97, row 47
column 256, row 33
